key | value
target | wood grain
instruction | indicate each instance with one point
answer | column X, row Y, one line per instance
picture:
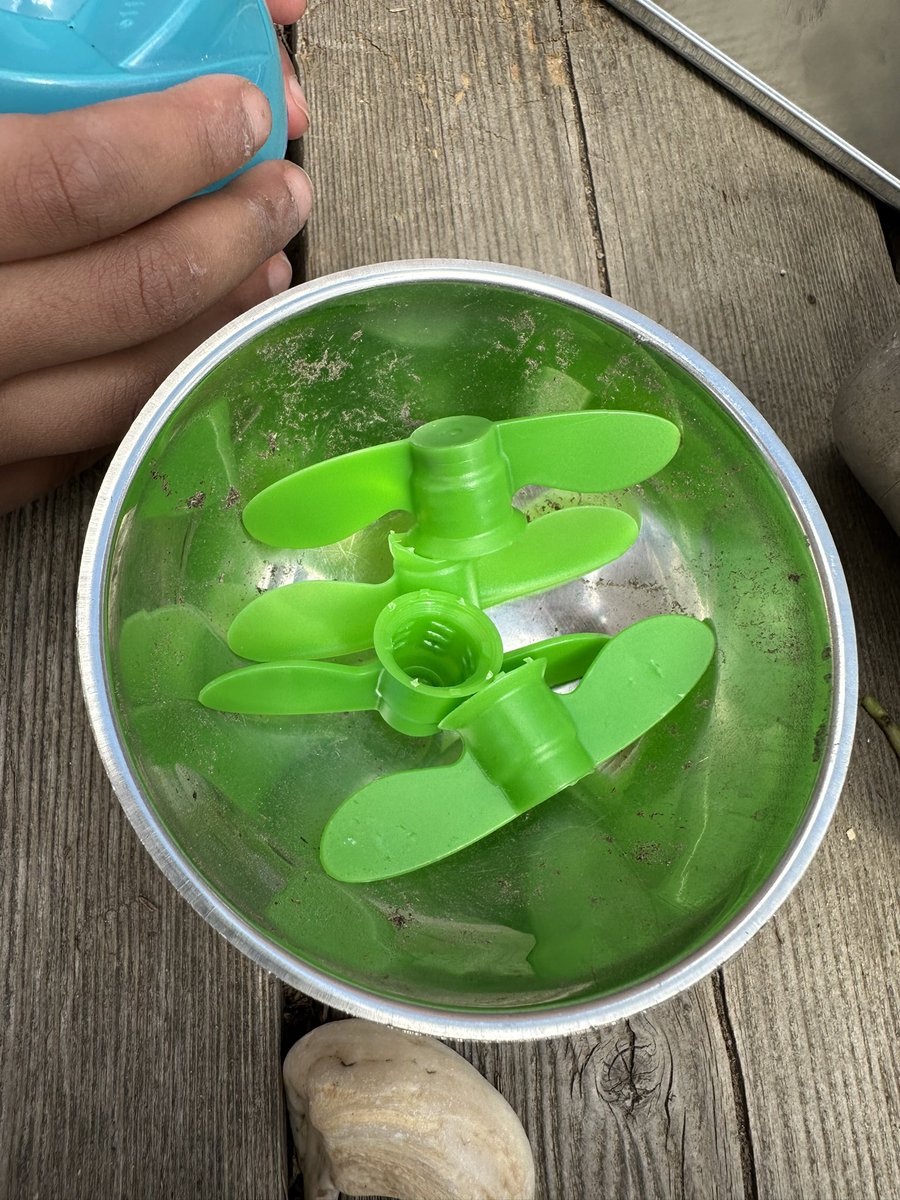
column 444, row 130
column 139, row 1053
column 644, row 1108
column 775, row 267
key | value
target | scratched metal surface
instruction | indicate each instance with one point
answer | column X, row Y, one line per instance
column 826, row 70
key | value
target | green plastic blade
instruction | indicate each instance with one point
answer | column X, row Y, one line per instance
column 293, row 688
column 410, row 820
column 330, row 500
column 406, row 821
column 594, row 451
column 642, row 674
column 554, row 549
column 567, row 657
column 321, row 618
column 314, row 618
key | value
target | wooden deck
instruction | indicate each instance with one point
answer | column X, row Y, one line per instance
column 140, row 1054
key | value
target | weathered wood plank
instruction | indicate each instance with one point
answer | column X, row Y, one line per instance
column 139, row 1053
column 775, row 267
column 644, row 1108
column 452, row 130
column 444, row 130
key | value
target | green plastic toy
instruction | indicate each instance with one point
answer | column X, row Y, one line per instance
column 457, row 475
column 327, row 618
column 522, row 743
column 439, row 662
column 433, row 651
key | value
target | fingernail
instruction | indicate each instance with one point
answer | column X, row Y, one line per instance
column 297, row 96
column 301, row 189
column 259, row 118
column 279, row 275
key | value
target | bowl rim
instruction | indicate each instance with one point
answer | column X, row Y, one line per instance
column 517, row 1024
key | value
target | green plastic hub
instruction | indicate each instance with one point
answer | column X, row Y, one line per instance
column 461, row 489
column 435, row 650
column 412, row 571
column 522, row 736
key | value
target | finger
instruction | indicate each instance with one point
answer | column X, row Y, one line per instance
column 297, row 108
column 92, row 403
column 130, row 289
column 77, row 177
column 286, row 12
column 22, row 482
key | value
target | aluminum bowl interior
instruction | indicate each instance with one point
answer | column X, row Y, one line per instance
column 615, row 893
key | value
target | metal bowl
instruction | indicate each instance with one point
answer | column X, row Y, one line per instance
column 613, row 895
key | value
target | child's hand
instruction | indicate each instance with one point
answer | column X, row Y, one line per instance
column 107, row 279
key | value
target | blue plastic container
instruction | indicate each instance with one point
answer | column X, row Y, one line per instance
column 60, row 54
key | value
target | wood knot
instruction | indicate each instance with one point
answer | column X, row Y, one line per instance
column 627, row 1069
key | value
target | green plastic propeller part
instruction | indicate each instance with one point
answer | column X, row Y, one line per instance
column 458, row 475
column 522, row 743
column 433, row 652
column 439, row 662
column 325, row 618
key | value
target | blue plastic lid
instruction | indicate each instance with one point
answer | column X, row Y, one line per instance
column 60, row 54
column 44, row 10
